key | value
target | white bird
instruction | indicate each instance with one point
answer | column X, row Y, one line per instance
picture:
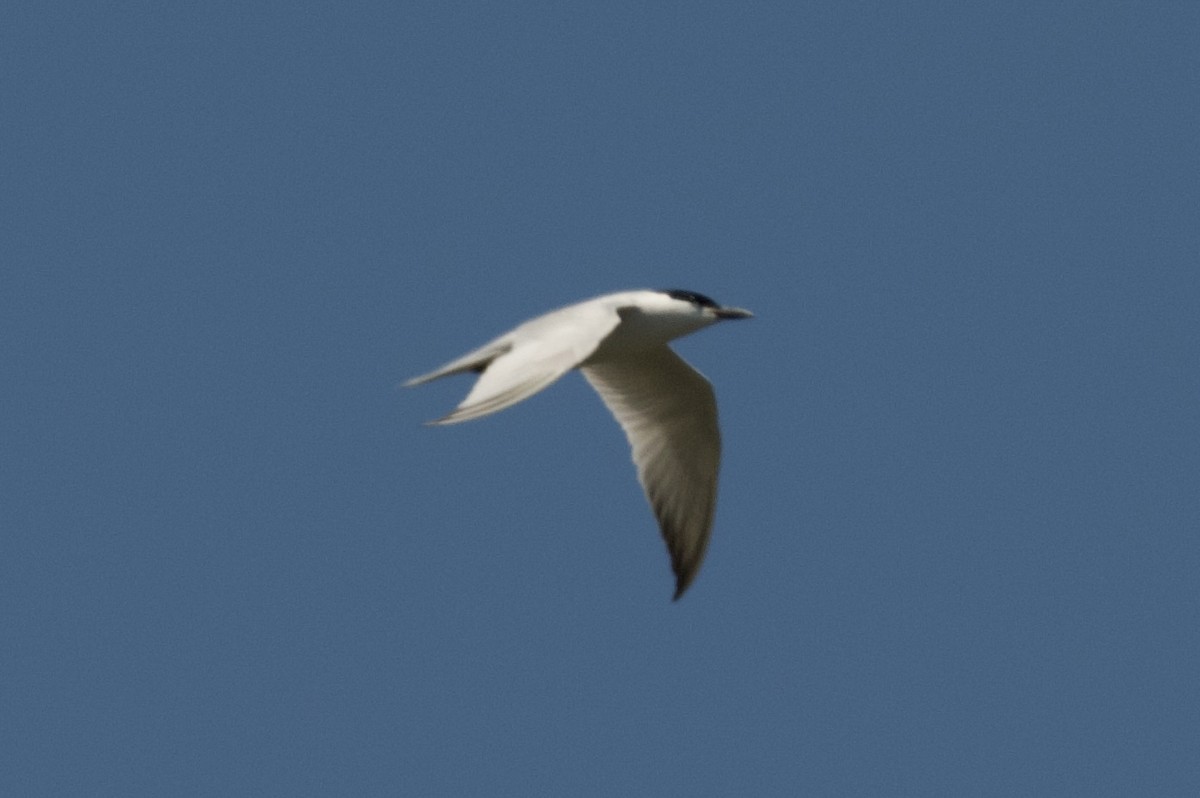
column 667, row 408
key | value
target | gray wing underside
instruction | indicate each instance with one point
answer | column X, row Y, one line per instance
column 669, row 414
column 522, row 362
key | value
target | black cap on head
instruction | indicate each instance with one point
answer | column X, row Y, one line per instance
column 690, row 296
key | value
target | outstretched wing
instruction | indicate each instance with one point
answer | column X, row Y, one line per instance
column 669, row 415
column 522, row 362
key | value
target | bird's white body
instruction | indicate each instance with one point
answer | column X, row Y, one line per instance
column 667, row 408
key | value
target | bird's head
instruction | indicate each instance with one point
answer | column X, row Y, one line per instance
column 692, row 302
column 652, row 317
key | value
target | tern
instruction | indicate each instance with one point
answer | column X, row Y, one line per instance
column 666, row 408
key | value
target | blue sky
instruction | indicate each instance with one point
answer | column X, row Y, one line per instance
column 956, row 545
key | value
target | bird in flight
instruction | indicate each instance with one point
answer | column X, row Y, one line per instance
column 666, row 408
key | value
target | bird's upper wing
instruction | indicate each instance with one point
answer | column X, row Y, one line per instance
column 669, row 414
column 522, row 362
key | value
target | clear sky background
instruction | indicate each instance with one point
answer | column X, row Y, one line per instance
column 956, row 550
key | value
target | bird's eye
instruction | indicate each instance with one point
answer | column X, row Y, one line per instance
column 691, row 296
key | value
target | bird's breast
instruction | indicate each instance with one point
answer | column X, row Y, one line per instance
column 640, row 331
